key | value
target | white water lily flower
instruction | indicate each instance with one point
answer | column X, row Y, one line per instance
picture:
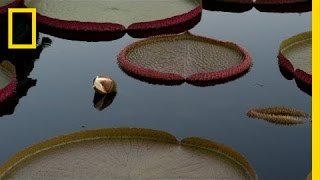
column 103, row 85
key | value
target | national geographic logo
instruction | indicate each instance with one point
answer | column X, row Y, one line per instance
column 31, row 11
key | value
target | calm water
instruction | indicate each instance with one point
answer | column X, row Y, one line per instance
column 62, row 100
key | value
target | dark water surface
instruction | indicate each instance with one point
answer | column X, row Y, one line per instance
column 61, row 102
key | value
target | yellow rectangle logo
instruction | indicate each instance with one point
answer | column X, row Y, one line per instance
column 33, row 12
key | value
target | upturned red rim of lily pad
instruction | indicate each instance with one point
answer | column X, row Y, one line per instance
column 114, row 30
column 287, row 63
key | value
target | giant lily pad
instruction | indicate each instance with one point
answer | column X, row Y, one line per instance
column 7, row 80
column 184, row 58
column 279, row 115
column 111, row 19
column 5, row 4
column 127, row 154
column 295, row 58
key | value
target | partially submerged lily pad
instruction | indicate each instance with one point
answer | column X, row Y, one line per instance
column 8, row 80
column 127, row 153
column 279, row 115
column 295, row 58
column 184, row 58
column 111, row 19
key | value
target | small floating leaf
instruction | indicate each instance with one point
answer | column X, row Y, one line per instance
column 279, row 115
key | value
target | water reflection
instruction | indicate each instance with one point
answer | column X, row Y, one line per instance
column 238, row 7
column 226, row 6
column 101, row 102
column 80, row 36
column 23, row 60
column 298, row 7
column 290, row 76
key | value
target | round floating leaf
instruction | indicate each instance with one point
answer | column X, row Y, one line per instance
column 279, row 115
column 8, row 80
column 127, row 153
column 111, row 19
column 184, row 57
column 295, row 59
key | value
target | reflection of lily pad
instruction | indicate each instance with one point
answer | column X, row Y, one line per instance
column 127, row 154
column 7, row 107
column 7, row 80
column 22, row 60
column 280, row 1
column 234, row 1
column 283, row 5
column 184, row 57
column 279, row 115
column 227, row 6
column 295, row 59
column 5, row 4
column 115, row 17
